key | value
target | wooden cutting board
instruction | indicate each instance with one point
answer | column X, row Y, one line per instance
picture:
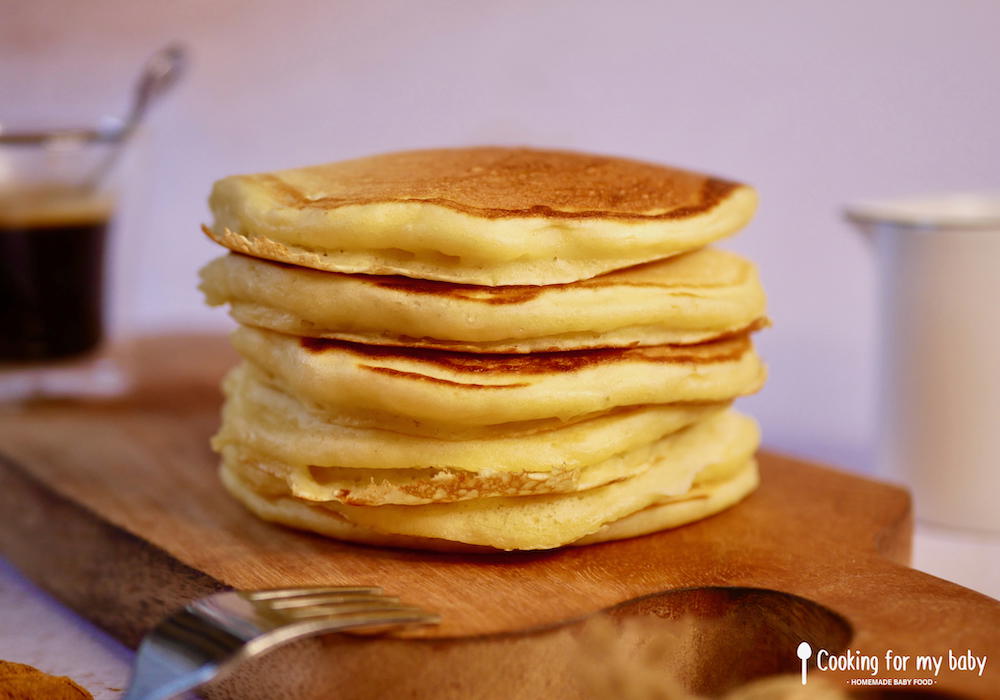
column 115, row 508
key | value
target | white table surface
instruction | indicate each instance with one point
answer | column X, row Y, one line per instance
column 37, row 630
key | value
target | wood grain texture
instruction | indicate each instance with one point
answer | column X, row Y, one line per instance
column 115, row 507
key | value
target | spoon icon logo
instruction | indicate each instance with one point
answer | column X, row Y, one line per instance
column 804, row 652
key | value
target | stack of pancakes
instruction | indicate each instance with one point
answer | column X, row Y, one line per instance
column 485, row 347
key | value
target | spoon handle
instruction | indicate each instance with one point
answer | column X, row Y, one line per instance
column 161, row 72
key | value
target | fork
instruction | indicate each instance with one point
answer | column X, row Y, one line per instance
column 209, row 637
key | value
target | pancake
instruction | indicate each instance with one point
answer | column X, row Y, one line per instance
column 704, row 499
column 690, row 298
column 484, row 216
column 724, row 444
column 487, row 389
column 278, row 427
column 381, row 485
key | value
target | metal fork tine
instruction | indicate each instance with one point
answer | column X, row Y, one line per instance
column 289, row 593
column 327, row 599
column 337, row 611
column 379, row 617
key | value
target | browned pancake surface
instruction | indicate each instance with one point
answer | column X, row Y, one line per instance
column 498, row 182
column 542, row 362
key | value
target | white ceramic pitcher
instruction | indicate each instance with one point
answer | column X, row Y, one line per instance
column 939, row 275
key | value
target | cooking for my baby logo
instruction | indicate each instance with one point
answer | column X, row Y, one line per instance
column 925, row 667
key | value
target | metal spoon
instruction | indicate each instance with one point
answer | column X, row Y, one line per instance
column 160, row 74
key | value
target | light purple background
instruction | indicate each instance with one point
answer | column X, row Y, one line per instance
column 815, row 103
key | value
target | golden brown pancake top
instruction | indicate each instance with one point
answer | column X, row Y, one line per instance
column 498, row 182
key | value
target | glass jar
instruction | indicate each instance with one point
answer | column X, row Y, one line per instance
column 64, row 263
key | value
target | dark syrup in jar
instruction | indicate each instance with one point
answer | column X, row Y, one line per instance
column 51, row 284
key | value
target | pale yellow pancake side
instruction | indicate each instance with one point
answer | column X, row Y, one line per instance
column 381, row 485
column 725, row 443
column 702, row 500
column 268, row 421
column 670, row 513
column 686, row 299
column 471, row 389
